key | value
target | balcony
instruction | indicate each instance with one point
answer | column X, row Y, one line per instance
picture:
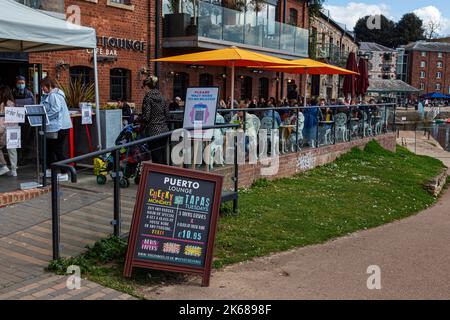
column 211, row 26
column 52, row 6
column 332, row 54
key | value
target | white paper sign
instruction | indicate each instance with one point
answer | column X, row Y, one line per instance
column 13, row 138
column 86, row 113
column 14, row 115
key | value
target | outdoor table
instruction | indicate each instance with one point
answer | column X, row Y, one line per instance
column 326, row 122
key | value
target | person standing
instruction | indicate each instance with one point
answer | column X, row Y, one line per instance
column 6, row 100
column 155, row 114
column 57, row 132
column 21, row 91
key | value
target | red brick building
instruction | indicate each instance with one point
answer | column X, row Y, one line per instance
column 131, row 32
column 123, row 44
column 428, row 66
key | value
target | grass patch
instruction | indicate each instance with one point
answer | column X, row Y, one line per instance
column 362, row 189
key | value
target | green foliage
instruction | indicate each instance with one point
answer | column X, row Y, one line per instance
column 77, row 92
column 408, row 29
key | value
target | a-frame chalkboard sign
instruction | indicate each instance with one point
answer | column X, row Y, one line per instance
column 174, row 221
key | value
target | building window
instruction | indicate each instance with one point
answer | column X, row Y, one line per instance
column 439, row 64
column 293, row 17
column 206, row 80
column 438, row 87
column 180, row 84
column 423, row 54
column 246, row 88
column 440, row 54
column 439, row 75
column 422, row 74
column 423, row 64
column 85, row 74
column 120, row 84
column 264, row 88
column 126, row 2
column 422, row 86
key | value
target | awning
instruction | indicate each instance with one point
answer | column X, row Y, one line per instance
column 23, row 29
column 390, row 86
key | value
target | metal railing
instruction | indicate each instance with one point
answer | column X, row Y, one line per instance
column 116, row 173
column 116, row 168
column 212, row 21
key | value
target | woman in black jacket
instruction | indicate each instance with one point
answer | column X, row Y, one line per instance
column 155, row 114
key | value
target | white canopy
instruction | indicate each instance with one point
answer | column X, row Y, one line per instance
column 23, row 29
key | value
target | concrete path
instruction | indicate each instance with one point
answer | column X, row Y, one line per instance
column 412, row 254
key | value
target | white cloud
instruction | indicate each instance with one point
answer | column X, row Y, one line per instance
column 350, row 13
column 431, row 13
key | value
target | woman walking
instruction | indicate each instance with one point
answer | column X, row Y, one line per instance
column 155, row 114
column 55, row 105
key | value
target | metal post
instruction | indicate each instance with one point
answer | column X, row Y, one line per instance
column 296, row 131
column 394, row 126
column 117, row 175
column 55, row 214
column 333, row 126
column 385, row 119
column 317, row 128
column 44, row 150
column 97, row 100
column 236, row 175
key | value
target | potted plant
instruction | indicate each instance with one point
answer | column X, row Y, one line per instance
column 176, row 22
column 77, row 91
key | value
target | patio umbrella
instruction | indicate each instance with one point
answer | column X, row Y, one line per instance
column 310, row 66
column 435, row 95
column 362, row 82
column 350, row 80
column 229, row 57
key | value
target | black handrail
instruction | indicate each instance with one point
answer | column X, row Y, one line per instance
column 116, row 171
column 116, row 163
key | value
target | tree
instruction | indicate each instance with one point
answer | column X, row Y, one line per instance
column 409, row 29
column 381, row 33
column 432, row 31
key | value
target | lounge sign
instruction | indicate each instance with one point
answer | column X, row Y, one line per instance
column 174, row 221
column 120, row 43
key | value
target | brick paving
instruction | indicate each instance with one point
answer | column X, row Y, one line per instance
column 26, row 245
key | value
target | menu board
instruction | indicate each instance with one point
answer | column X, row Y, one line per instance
column 174, row 220
column 36, row 121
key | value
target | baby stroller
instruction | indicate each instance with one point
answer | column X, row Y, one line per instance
column 130, row 158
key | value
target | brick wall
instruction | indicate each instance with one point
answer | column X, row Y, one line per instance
column 109, row 21
column 431, row 61
column 293, row 163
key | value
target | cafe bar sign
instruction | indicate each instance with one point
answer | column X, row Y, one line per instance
column 120, row 43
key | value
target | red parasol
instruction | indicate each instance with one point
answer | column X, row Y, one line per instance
column 350, row 80
column 362, row 82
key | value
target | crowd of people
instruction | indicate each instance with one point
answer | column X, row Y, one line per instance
column 59, row 123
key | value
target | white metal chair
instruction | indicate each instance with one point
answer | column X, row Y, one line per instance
column 216, row 146
column 292, row 138
column 341, row 131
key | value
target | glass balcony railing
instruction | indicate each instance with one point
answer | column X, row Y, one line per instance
column 46, row 5
column 219, row 23
column 333, row 54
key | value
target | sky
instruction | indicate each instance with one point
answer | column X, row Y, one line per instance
column 348, row 12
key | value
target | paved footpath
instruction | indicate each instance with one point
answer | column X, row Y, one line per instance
column 25, row 244
column 413, row 255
